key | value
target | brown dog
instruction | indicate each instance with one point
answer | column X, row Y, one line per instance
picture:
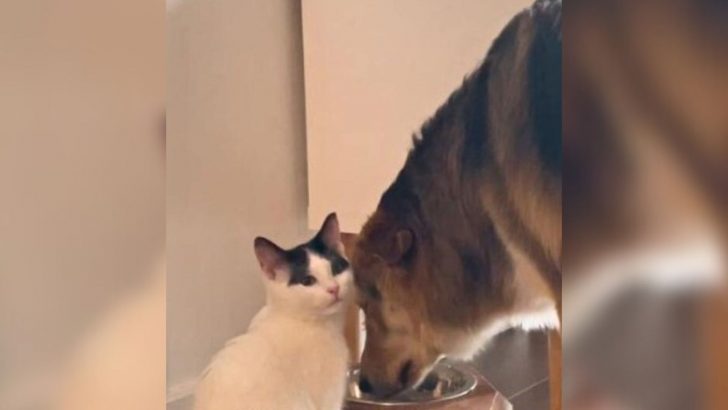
column 467, row 239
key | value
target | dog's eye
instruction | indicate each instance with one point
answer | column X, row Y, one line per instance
column 374, row 292
column 308, row 280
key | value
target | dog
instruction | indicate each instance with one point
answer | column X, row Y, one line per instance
column 466, row 241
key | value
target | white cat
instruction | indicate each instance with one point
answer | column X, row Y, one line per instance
column 294, row 356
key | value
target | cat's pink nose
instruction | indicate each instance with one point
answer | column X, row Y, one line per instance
column 333, row 290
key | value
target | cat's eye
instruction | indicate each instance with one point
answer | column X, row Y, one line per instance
column 308, row 280
column 339, row 265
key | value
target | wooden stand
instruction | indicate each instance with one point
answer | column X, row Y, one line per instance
column 351, row 326
column 713, row 325
column 555, row 369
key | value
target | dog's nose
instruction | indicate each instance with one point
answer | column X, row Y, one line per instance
column 364, row 385
column 333, row 290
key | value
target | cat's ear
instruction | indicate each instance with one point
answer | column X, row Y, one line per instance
column 270, row 256
column 330, row 234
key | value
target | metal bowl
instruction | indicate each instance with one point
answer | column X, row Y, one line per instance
column 447, row 381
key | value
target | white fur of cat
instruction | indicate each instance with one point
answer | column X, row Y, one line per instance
column 293, row 356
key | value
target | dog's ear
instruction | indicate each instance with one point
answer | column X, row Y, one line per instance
column 402, row 244
column 391, row 245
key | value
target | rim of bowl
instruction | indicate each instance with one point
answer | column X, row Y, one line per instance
column 470, row 384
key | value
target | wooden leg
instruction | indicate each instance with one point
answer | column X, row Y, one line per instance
column 351, row 332
column 555, row 369
column 714, row 347
column 351, row 326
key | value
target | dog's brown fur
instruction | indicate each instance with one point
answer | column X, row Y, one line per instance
column 479, row 194
column 643, row 96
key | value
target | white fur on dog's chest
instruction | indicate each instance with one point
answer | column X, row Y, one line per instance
column 533, row 308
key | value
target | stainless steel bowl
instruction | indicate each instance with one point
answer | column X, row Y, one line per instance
column 446, row 381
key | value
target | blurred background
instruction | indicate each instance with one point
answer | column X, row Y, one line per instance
column 82, row 215
column 645, row 184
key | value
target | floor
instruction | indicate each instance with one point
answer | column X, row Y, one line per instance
column 185, row 404
column 640, row 351
column 515, row 362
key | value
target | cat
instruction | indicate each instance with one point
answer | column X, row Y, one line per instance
column 293, row 356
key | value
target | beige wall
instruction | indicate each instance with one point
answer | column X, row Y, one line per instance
column 236, row 166
column 375, row 70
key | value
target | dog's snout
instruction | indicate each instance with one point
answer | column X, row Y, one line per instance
column 364, row 385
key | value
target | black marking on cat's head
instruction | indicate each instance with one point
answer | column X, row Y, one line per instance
column 337, row 261
column 325, row 244
column 299, row 262
column 298, row 265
